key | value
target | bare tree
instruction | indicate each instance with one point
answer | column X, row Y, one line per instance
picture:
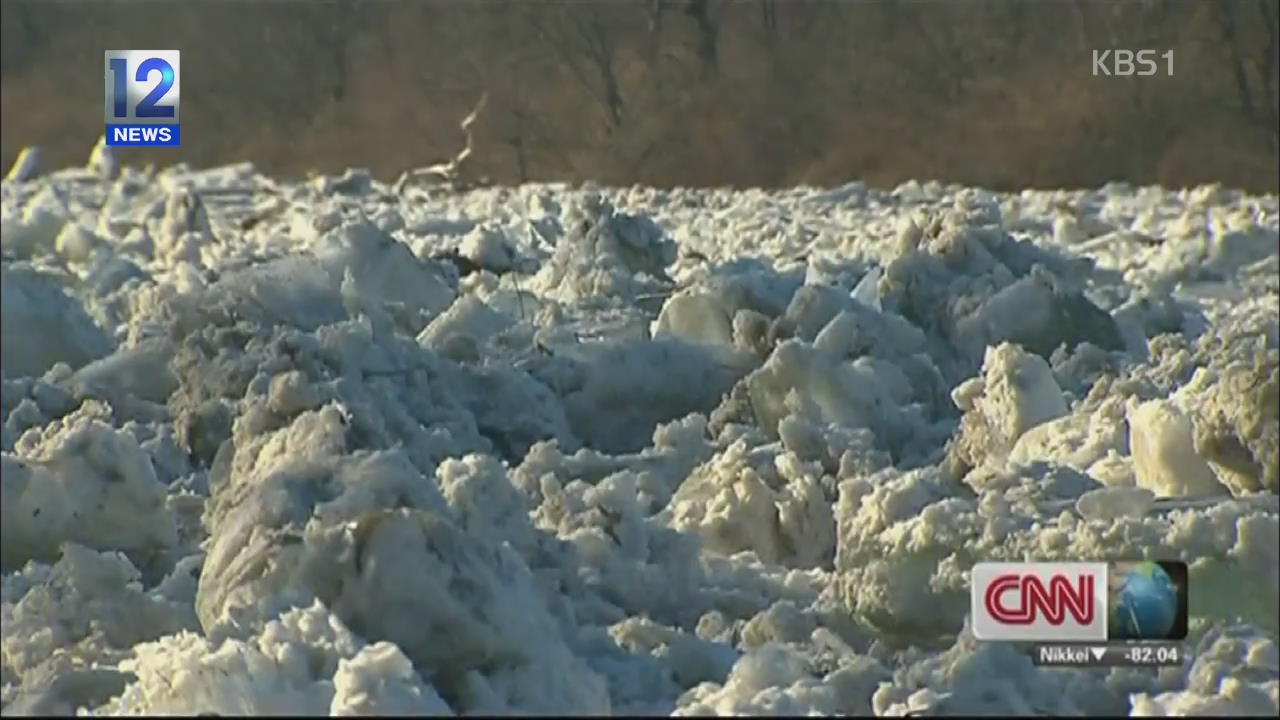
column 24, row 32
column 769, row 16
column 1269, row 69
column 657, row 10
column 519, row 148
column 1257, row 90
column 946, row 61
column 341, row 29
column 330, row 27
column 708, row 51
column 1229, row 20
column 586, row 47
column 653, row 56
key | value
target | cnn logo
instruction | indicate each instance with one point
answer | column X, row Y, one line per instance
column 1040, row 601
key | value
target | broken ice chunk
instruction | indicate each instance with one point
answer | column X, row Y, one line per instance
column 1015, row 393
column 867, row 291
column 696, row 317
column 86, row 482
column 1113, row 503
column 43, row 325
column 1164, row 456
column 28, row 165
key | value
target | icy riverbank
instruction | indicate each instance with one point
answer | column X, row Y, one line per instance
column 317, row 448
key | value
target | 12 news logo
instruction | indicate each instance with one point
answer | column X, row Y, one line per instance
column 1081, row 602
column 142, row 97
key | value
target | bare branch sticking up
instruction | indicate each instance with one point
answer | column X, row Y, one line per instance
column 449, row 172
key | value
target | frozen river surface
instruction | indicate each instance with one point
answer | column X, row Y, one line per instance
column 323, row 448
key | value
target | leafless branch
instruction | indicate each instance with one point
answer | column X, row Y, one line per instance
column 448, row 172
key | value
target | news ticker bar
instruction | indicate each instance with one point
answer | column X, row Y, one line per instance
column 1137, row 654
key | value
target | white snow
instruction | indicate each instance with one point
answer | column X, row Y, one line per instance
column 79, row 480
column 319, row 448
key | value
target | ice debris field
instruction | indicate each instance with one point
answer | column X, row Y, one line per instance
column 321, row 447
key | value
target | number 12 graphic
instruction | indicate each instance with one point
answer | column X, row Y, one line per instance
column 147, row 107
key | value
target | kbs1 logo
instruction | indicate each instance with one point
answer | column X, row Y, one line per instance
column 1127, row 63
column 142, row 98
column 1080, row 602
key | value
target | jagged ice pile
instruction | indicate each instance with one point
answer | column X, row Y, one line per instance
column 321, row 448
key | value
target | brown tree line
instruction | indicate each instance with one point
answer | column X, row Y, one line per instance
column 674, row 92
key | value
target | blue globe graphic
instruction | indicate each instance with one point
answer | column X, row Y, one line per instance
column 1144, row 603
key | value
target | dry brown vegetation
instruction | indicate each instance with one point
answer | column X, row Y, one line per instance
column 674, row 92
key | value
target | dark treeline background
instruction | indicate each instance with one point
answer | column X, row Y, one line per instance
column 674, row 92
